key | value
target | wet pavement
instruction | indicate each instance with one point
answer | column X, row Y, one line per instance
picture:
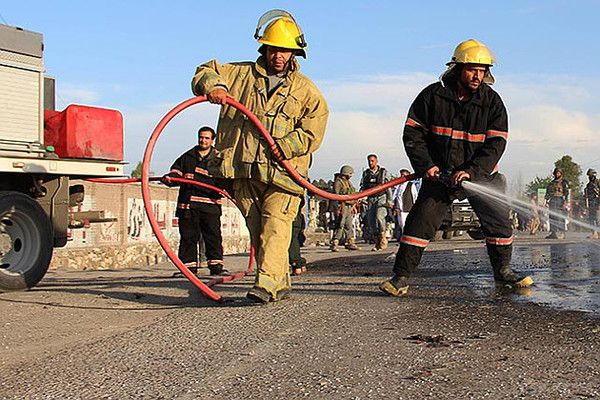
column 566, row 272
column 142, row 333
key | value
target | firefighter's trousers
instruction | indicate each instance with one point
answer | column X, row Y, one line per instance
column 201, row 224
column 428, row 213
column 269, row 212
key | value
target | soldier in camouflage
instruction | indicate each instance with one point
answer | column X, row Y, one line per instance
column 557, row 199
column 343, row 211
column 592, row 199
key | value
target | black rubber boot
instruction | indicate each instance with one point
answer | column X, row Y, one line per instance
column 506, row 276
column 217, row 269
column 397, row 286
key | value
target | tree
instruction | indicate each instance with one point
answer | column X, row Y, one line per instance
column 137, row 171
column 538, row 183
column 572, row 173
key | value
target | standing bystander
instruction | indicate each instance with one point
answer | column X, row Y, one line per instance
column 377, row 204
column 198, row 208
column 404, row 197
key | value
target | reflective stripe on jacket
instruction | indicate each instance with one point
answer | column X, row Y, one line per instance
column 191, row 165
column 453, row 135
column 295, row 114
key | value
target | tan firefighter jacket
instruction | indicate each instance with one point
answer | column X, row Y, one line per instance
column 295, row 115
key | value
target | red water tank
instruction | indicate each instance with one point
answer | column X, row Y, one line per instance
column 85, row 132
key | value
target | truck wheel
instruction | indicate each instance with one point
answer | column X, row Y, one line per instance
column 25, row 241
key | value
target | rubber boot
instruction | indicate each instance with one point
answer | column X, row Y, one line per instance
column 333, row 245
column 397, row 286
column 217, row 269
column 506, row 276
column 383, row 242
column 259, row 295
column 351, row 245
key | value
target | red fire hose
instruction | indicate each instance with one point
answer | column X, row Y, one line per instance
column 205, row 288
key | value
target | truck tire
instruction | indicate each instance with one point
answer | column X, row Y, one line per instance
column 25, row 241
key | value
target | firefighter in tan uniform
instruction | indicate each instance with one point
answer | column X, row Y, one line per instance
column 295, row 113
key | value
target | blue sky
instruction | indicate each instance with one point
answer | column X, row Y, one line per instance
column 370, row 59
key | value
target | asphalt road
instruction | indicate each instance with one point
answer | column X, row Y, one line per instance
column 140, row 333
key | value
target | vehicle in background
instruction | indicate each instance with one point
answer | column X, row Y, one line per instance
column 460, row 218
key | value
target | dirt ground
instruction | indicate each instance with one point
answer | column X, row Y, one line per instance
column 142, row 333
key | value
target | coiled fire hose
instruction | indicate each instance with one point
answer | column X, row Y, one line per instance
column 299, row 179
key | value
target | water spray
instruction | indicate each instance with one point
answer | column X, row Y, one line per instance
column 520, row 205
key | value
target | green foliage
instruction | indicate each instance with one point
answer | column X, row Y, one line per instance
column 538, row 183
column 137, row 171
column 572, row 173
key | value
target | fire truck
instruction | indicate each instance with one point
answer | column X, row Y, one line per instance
column 42, row 153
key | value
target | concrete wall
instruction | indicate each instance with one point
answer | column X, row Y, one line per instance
column 129, row 241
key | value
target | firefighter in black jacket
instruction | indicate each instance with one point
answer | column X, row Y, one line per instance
column 198, row 208
column 459, row 127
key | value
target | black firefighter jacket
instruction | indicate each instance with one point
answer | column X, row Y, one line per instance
column 469, row 136
column 191, row 166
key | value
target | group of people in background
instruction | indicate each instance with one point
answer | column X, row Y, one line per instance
column 551, row 212
column 372, row 214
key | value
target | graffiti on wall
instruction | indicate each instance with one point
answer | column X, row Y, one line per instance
column 138, row 227
column 132, row 226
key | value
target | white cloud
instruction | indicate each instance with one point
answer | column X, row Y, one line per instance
column 70, row 94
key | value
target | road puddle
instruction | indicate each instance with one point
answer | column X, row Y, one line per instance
column 567, row 276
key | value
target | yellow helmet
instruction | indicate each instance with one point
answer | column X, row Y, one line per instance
column 472, row 52
column 282, row 31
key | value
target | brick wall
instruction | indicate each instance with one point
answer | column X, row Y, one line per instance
column 129, row 241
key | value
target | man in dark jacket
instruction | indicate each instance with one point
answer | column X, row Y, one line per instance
column 198, row 208
column 457, row 127
column 377, row 204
